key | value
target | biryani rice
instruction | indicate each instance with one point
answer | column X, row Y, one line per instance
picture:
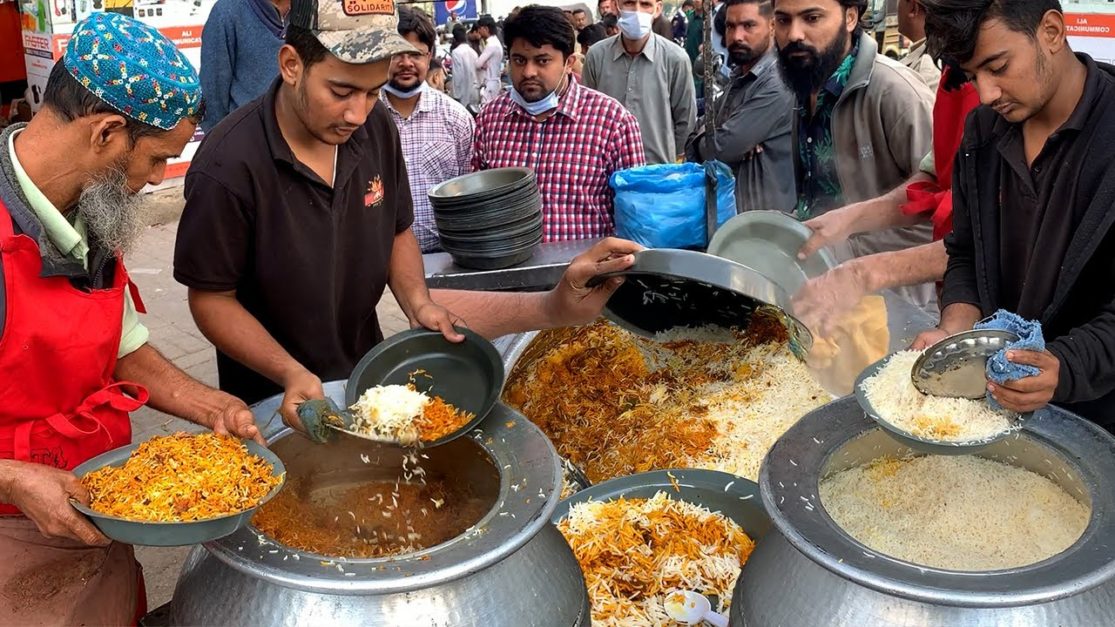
column 400, row 413
column 708, row 398
column 635, row 552
column 182, row 478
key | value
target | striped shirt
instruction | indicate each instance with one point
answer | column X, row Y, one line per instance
column 437, row 145
column 573, row 152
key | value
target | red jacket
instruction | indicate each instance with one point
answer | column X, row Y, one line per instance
column 949, row 113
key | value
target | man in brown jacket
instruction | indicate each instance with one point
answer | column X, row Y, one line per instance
column 863, row 122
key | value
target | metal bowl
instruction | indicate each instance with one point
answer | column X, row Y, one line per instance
column 808, row 571
column 172, row 533
column 734, row 497
column 768, row 242
column 482, row 184
column 467, row 375
column 939, row 447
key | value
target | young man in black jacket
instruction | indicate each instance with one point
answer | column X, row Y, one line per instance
column 1033, row 198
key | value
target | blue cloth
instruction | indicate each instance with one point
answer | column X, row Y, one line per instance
column 1030, row 338
column 134, row 68
column 239, row 55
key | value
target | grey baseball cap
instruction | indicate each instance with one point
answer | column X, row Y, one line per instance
column 354, row 31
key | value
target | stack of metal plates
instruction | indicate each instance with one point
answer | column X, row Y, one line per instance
column 490, row 219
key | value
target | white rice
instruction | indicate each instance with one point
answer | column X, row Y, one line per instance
column 892, row 393
column 960, row 512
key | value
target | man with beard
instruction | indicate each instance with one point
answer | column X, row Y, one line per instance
column 74, row 358
column 298, row 214
column 436, row 131
column 753, row 116
column 926, row 197
column 863, row 122
column 573, row 137
column 650, row 77
column 1033, row 199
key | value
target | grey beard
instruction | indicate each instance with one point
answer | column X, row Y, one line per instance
column 111, row 211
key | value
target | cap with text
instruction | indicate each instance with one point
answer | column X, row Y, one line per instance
column 354, row 31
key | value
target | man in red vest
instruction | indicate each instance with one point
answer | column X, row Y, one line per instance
column 926, row 196
column 74, row 359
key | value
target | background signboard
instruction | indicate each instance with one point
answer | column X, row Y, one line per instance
column 465, row 10
column 1091, row 27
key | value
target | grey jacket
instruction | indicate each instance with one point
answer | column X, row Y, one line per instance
column 756, row 110
column 882, row 128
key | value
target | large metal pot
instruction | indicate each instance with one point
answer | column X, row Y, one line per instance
column 511, row 568
column 810, row 572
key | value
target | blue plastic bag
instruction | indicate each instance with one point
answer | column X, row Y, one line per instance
column 663, row 206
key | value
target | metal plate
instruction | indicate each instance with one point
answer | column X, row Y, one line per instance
column 171, row 533
column 483, row 185
column 467, row 375
column 918, row 443
column 957, row 365
column 667, row 288
column 768, row 242
column 734, row 497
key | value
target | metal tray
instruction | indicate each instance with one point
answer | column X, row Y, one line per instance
column 957, row 365
column 734, row 497
column 917, row 443
column 172, row 533
column 668, row 288
column 768, row 242
column 467, row 375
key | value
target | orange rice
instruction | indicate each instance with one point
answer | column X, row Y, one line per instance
column 182, row 478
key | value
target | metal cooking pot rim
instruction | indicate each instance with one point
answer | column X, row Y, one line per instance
column 790, row 477
column 529, row 490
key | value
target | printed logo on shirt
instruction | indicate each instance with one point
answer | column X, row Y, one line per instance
column 866, row 152
column 374, row 194
column 368, row 7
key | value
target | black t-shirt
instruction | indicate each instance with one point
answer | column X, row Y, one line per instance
column 310, row 262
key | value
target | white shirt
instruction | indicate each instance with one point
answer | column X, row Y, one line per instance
column 490, row 63
column 465, row 86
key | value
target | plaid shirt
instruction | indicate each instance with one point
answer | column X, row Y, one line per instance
column 437, row 144
column 573, row 153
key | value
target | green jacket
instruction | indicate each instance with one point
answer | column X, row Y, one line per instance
column 694, row 36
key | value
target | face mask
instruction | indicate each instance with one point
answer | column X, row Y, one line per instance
column 635, row 24
column 405, row 95
column 539, row 107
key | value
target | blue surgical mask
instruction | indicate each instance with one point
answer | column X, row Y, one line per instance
column 405, row 95
column 539, row 107
column 635, row 24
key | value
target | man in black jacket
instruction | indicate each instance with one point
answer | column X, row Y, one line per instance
column 753, row 117
column 1033, row 198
